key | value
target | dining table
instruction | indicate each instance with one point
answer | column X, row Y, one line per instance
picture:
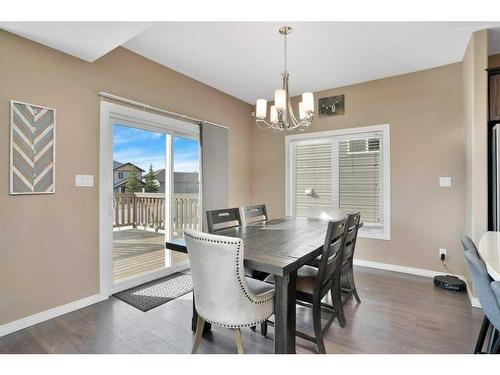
column 489, row 249
column 278, row 247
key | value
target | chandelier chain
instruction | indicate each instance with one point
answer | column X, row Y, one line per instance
column 285, row 52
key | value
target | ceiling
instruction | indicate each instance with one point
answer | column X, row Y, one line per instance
column 245, row 59
column 85, row 40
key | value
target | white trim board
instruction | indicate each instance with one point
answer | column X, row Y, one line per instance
column 49, row 314
column 414, row 271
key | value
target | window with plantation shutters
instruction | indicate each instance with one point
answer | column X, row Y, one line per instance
column 312, row 175
column 360, row 178
column 346, row 170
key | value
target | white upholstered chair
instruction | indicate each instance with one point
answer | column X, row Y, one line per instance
column 223, row 295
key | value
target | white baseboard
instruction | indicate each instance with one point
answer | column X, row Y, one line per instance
column 414, row 271
column 49, row 314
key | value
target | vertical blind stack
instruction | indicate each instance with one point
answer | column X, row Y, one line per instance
column 214, row 168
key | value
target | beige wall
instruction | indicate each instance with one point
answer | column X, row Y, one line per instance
column 49, row 244
column 424, row 110
column 475, row 107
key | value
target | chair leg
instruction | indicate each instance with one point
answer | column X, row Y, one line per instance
column 492, row 340
column 318, row 330
column 336, row 295
column 200, row 325
column 482, row 335
column 239, row 343
column 353, row 285
column 263, row 328
column 495, row 349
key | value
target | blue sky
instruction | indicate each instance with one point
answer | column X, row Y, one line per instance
column 143, row 147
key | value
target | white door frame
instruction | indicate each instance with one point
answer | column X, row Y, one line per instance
column 111, row 113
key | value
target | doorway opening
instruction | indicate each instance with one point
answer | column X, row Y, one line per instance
column 151, row 175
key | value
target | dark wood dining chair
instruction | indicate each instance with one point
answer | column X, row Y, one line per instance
column 218, row 220
column 347, row 284
column 313, row 284
column 254, row 214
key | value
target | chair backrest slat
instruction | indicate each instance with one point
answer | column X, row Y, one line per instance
column 222, row 219
column 350, row 237
column 255, row 214
column 330, row 256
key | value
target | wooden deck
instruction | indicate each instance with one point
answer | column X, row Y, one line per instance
column 136, row 252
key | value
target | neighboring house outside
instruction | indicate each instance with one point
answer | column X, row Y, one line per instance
column 184, row 182
column 121, row 171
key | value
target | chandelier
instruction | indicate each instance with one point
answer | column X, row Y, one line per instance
column 281, row 116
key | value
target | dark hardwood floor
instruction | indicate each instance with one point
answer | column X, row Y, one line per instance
column 399, row 314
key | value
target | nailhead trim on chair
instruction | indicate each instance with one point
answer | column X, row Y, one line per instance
column 242, row 286
column 234, row 326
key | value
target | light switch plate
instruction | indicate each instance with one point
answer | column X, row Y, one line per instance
column 445, row 181
column 84, row 180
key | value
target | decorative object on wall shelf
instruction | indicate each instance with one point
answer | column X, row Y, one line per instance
column 32, row 149
column 331, row 106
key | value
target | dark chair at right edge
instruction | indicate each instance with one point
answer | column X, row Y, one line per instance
column 489, row 296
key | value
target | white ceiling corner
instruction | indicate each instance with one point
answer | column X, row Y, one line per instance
column 85, row 40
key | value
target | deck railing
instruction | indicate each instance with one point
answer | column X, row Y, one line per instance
column 147, row 210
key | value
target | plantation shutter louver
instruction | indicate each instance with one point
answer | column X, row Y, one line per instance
column 312, row 175
column 360, row 177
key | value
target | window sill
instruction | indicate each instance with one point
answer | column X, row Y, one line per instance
column 375, row 233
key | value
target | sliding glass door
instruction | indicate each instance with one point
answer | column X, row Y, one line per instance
column 139, row 158
column 154, row 185
column 186, row 190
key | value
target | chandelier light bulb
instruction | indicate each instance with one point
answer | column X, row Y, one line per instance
column 302, row 112
column 308, row 100
column 274, row 114
column 261, row 110
column 280, row 99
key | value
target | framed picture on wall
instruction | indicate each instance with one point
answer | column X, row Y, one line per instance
column 32, row 149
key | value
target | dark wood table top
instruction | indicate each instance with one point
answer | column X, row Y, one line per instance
column 277, row 246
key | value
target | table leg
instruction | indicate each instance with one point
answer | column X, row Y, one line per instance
column 194, row 321
column 284, row 313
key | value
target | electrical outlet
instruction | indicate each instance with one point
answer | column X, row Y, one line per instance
column 443, row 252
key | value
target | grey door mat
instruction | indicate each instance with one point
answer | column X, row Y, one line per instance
column 157, row 292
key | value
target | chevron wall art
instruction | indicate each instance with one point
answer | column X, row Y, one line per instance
column 32, row 149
